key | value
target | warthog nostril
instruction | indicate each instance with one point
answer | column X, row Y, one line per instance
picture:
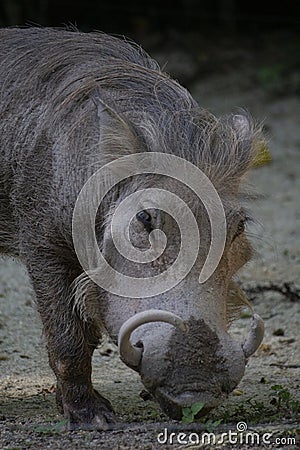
column 227, row 387
column 139, row 344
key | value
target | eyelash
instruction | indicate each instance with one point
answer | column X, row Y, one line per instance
column 242, row 226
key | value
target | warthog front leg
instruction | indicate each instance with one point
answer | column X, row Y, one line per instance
column 70, row 343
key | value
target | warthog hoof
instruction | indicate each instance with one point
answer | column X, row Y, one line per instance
column 89, row 413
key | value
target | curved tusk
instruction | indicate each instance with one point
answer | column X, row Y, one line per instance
column 132, row 354
column 255, row 336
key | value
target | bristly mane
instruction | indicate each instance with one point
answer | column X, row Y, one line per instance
column 70, row 69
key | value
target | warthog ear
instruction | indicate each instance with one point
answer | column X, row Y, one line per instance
column 117, row 134
column 107, row 114
column 247, row 139
column 242, row 125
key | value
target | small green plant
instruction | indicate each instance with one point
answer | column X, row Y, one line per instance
column 190, row 412
column 13, row 448
column 51, row 428
column 283, row 399
column 189, row 416
column 210, row 424
column 281, row 404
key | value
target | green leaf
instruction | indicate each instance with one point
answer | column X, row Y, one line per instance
column 277, row 387
column 186, row 412
column 51, row 428
column 187, row 415
column 189, row 419
column 285, row 395
column 196, row 407
column 217, row 422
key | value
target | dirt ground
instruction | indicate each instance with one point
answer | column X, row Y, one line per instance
column 268, row 399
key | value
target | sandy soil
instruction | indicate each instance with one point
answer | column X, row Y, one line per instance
column 28, row 418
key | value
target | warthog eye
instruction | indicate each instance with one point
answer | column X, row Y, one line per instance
column 146, row 219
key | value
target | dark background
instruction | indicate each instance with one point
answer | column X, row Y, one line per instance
column 261, row 38
column 136, row 17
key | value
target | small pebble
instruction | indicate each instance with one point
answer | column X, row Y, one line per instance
column 278, row 332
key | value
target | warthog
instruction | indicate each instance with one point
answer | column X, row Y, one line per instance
column 72, row 103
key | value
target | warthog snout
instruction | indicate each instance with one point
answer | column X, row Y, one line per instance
column 186, row 362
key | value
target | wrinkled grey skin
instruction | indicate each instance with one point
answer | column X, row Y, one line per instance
column 69, row 103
